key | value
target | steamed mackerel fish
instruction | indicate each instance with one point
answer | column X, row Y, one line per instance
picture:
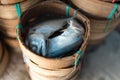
column 39, row 42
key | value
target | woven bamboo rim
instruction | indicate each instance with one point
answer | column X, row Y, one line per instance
column 36, row 76
column 50, row 73
column 10, row 1
column 98, row 9
column 9, row 12
column 4, row 61
column 49, row 63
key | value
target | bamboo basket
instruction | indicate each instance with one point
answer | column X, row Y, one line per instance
column 3, row 59
column 35, row 76
column 98, row 27
column 96, row 9
column 45, row 74
column 10, row 1
column 9, row 12
column 98, row 18
column 54, row 7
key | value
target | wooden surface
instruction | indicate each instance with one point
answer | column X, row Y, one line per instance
column 103, row 64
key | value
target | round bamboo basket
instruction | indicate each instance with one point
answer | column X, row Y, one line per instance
column 97, row 9
column 10, row 1
column 35, row 76
column 4, row 59
column 9, row 12
column 98, row 18
column 51, row 7
column 45, row 74
column 73, row 76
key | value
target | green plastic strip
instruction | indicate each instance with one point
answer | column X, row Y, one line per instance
column 107, row 26
column 78, row 58
column 110, row 17
column 67, row 10
column 17, row 27
column 18, row 9
column 113, row 12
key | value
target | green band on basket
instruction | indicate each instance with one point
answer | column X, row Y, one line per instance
column 17, row 27
column 67, row 10
column 107, row 26
column 110, row 16
column 78, row 58
column 113, row 11
column 18, row 9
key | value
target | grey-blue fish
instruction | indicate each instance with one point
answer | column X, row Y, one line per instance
column 39, row 42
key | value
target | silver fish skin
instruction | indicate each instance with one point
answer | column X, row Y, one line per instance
column 38, row 38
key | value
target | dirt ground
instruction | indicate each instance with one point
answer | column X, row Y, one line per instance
column 102, row 64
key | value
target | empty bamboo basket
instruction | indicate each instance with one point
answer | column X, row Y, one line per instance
column 50, row 66
column 104, row 17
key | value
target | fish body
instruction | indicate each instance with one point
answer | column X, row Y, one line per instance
column 56, row 46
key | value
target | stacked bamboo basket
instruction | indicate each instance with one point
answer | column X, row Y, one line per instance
column 104, row 17
column 103, row 20
column 39, row 67
column 9, row 18
column 8, row 21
